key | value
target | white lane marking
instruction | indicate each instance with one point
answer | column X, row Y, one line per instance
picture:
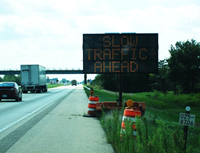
column 15, row 122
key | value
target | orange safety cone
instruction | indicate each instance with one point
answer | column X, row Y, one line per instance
column 130, row 114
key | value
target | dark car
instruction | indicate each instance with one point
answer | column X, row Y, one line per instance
column 10, row 90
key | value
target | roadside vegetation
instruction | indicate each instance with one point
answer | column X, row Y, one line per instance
column 180, row 73
column 53, row 85
column 166, row 94
column 162, row 106
column 158, row 131
column 11, row 78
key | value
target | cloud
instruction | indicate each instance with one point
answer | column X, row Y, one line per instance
column 50, row 32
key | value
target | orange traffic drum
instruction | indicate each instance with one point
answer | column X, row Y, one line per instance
column 130, row 114
column 92, row 105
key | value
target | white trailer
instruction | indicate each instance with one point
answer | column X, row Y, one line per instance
column 33, row 78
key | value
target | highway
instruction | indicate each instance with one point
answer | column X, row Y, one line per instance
column 50, row 122
column 12, row 112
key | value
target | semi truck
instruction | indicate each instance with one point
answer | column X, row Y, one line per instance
column 74, row 82
column 33, row 78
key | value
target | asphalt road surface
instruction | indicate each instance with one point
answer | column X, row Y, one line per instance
column 51, row 122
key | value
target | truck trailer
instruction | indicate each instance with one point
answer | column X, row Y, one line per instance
column 33, row 78
column 74, row 82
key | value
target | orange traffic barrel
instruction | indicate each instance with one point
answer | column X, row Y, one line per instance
column 93, row 100
column 130, row 114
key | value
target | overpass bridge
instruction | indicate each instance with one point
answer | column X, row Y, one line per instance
column 13, row 72
column 48, row 71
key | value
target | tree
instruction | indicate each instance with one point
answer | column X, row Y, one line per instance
column 160, row 80
column 64, row 80
column 18, row 79
column 1, row 79
column 130, row 82
column 136, row 83
column 97, row 82
column 184, row 65
column 12, row 78
column 109, row 81
column 9, row 78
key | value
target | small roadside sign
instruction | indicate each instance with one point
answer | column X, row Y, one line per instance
column 187, row 119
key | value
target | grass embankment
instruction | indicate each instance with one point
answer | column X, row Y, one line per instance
column 53, row 85
column 159, row 130
column 168, row 106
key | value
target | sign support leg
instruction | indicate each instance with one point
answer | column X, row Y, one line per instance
column 120, row 89
column 85, row 78
column 186, row 131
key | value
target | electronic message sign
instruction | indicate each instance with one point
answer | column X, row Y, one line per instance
column 120, row 53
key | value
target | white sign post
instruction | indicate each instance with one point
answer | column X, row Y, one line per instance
column 187, row 119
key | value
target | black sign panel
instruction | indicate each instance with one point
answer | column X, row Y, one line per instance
column 120, row 53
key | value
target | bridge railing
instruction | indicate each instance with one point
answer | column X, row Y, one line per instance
column 63, row 69
column 48, row 71
column 17, row 69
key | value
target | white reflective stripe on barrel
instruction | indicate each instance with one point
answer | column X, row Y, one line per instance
column 92, row 102
column 128, row 119
column 134, row 132
column 90, row 109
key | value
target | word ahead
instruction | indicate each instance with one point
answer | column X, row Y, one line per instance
column 120, row 53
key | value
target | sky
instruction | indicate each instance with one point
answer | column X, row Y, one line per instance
column 49, row 32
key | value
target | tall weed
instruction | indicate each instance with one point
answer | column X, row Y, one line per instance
column 153, row 134
column 152, row 137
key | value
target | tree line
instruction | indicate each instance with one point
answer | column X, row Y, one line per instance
column 179, row 73
column 11, row 78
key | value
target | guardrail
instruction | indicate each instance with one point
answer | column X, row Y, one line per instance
column 87, row 88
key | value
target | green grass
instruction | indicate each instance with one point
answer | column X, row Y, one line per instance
column 54, row 85
column 163, row 106
column 159, row 130
column 169, row 106
column 153, row 135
